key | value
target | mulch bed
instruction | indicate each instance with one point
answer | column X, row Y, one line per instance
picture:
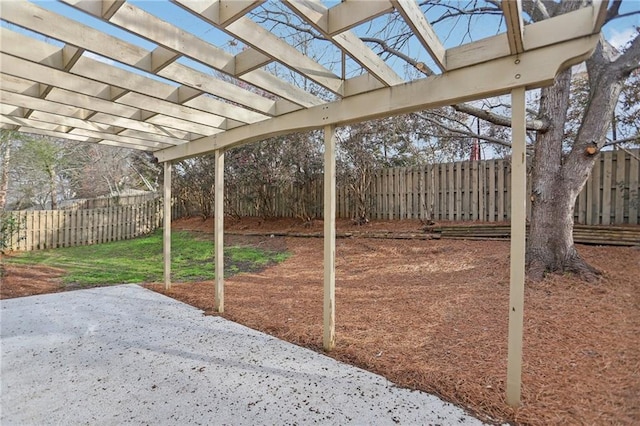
column 432, row 315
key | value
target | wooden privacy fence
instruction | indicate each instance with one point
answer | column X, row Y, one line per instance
column 471, row 191
column 47, row 229
column 481, row 191
column 96, row 203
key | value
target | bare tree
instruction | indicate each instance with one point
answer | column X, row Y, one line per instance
column 6, row 138
column 561, row 163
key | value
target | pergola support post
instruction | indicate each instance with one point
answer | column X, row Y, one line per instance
column 518, row 244
column 166, row 233
column 329, row 306
column 218, row 213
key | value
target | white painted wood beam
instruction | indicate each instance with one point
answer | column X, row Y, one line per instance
column 94, row 126
column 124, row 140
column 30, row 102
column 329, row 288
column 248, row 60
column 59, row 127
column 166, row 230
column 230, row 11
column 98, row 71
column 313, row 12
column 12, row 111
column 124, row 145
column 67, row 136
column 143, row 126
column 599, row 13
column 257, row 37
column 218, row 217
column 351, row 13
column 221, row 12
column 569, row 26
column 139, row 22
column 518, row 239
column 102, row 8
column 532, row 69
column 415, row 19
column 159, row 97
column 28, row 122
column 43, row 21
column 176, row 123
column 271, row 45
column 512, row 10
column 72, row 104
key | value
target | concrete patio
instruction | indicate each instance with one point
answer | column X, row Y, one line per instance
column 125, row 354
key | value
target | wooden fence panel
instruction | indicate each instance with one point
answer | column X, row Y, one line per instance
column 480, row 190
column 620, row 186
column 47, row 229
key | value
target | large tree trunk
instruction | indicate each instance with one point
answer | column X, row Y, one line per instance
column 558, row 178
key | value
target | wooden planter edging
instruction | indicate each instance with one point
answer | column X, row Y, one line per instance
column 583, row 234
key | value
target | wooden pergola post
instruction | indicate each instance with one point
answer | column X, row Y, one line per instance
column 329, row 306
column 166, row 217
column 518, row 242
column 219, row 230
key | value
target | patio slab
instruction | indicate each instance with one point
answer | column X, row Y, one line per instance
column 125, row 354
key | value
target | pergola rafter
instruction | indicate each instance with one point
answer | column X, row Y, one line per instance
column 78, row 82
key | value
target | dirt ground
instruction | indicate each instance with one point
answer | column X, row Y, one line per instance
column 432, row 315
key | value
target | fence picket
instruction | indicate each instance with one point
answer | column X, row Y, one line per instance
column 634, row 189
column 606, row 188
column 620, row 185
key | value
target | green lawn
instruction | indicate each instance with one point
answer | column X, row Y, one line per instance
column 140, row 260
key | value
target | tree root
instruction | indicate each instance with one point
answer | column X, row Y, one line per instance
column 537, row 269
column 582, row 269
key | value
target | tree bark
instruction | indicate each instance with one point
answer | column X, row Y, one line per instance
column 53, row 188
column 4, row 176
column 558, row 178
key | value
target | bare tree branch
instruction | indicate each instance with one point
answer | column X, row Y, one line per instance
column 630, row 59
column 421, row 66
column 635, row 138
column 614, row 11
column 500, row 120
column 462, row 132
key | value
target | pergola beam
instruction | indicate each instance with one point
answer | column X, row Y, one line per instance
column 351, row 13
column 48, row 55
column 143, row 24
column 222, row 12
column 313, row 12
column 569, row 26
column 415, row 19
column 269, row 44
column 533, row 69
column 515, row 26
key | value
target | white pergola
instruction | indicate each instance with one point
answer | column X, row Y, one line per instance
column 69, row 79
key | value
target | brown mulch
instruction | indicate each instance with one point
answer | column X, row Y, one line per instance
column 21, row 280
column 432, row 315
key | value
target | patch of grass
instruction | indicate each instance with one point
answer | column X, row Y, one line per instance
column 140, row 260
